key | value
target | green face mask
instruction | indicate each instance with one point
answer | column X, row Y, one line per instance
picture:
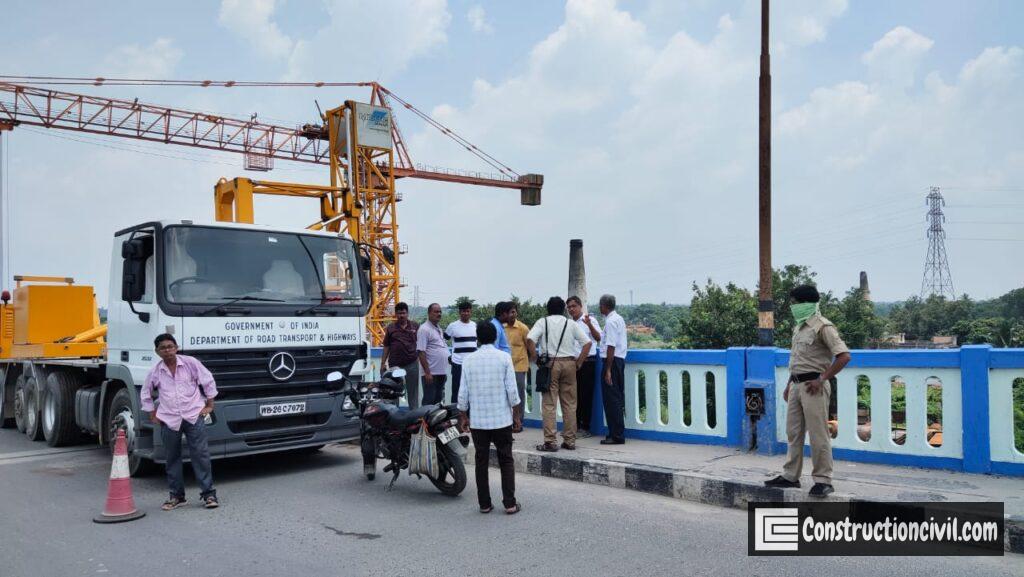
column 803, row 311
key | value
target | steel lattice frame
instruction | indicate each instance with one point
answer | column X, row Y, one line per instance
column 937, row 278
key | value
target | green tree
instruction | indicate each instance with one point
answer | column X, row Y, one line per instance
column 855, row 318
column 923, row 319
column 719, row 318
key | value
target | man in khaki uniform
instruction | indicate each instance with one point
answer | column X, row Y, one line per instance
column 817, row 356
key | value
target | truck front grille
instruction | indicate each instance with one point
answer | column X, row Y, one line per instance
column 245, row 374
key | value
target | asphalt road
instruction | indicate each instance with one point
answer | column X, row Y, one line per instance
column 314, row 515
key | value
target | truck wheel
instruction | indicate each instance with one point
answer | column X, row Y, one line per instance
column 33, row 422
column 121, row 416
column 58, row 408
column 19, row 403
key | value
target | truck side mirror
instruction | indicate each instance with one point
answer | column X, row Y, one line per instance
column 135, row 251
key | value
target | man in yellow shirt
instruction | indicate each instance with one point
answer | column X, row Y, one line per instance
column 516, row 331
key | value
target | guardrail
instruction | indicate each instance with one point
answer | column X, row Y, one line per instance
column 958, row 409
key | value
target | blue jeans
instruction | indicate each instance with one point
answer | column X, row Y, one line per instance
column 199, row 454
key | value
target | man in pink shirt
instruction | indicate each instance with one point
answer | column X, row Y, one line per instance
column 184, row 391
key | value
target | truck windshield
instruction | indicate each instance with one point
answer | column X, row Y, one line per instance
column 206, row 265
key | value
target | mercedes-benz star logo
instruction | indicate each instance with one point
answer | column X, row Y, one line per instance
column 282, row 366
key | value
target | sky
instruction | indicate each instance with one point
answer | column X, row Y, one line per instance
column 641, row 114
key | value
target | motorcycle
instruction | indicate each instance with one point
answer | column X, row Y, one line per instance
column 386, row 430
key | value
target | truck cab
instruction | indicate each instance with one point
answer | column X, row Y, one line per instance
column 269, row 312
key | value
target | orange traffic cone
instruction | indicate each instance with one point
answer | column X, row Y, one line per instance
column 120, row 504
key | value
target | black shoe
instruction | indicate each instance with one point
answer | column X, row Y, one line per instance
column 821, row 490
column 782, row 483
column 611, row 441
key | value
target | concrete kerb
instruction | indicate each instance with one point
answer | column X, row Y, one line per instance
column 686, row 485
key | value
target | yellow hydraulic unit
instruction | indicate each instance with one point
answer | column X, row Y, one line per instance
column 50, row 318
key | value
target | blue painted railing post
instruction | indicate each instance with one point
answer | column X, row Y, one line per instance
column 974, row 366
column 761, row 374
column 735, row 376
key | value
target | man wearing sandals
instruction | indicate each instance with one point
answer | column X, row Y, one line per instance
column 561, row 339
column 486, row 399
column 184, row 391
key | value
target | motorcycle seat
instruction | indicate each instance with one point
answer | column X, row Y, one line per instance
column 403, row 417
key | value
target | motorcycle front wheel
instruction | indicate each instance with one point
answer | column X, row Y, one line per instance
column 452, row 472
column 369, row 450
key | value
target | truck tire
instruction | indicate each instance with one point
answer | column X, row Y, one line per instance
column 19, row 403
column 33, row 418
column 121, row 415
column 58, row 408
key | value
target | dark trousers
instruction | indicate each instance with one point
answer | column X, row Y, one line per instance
column 456, row 381
column 585, row 393
column 198, row 453
column 433, row 389
column 502, row 440
column 615, row 400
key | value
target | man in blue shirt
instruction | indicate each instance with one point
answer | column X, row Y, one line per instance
column 486, row 399
column 502, row 313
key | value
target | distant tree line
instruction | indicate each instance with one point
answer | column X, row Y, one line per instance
column 726, row 316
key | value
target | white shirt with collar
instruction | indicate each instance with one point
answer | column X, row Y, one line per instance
column 614, row 335
column 547, row 331
column 594, row 343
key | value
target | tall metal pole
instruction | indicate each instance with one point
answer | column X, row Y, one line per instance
column 766, row 303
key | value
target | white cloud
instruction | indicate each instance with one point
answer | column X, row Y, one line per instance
column 477, row 18
column 252, row 21
column 804, row 22
column 388, row 35
column 157, row 60
column 654, row 144
column 895, row 57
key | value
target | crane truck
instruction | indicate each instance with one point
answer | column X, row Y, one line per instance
column 269, row 311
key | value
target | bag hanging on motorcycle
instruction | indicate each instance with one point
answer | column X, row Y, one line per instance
column 423, row 453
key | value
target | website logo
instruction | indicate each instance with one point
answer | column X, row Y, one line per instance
column 776, row 529
column 875, row 528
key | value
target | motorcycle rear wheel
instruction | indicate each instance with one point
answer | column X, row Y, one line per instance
column 452, row 476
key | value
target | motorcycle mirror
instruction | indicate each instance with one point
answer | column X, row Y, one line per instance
column 335, row 376
column 398, row 373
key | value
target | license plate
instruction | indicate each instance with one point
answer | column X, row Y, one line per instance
column 282, row 409
column 448, row 435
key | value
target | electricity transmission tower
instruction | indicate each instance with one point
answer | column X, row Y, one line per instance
column 937, row 280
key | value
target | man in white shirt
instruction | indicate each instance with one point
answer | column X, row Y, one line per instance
column 486, row 399
column 585, row 376
column 561, row 339
column 613, row 382
column 462, row 334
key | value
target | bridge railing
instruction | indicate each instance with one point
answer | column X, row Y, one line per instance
column 959, row 409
